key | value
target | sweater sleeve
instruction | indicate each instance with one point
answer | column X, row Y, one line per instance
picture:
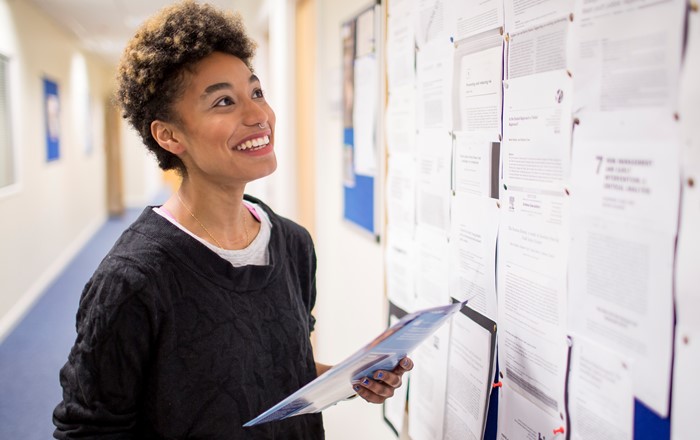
column 106, row 368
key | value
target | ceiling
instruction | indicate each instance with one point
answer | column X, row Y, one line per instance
column 104, row 26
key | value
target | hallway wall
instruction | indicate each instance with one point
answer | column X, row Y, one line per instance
column 351, row 305
column 55, row 206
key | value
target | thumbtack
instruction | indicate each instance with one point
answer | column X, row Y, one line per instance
column 498, row 384
column 559, row 430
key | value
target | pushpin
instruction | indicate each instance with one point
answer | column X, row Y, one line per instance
column 498, row 384
column 559, row 430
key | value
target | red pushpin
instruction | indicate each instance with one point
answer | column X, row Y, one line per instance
column 559, row 430
column 498, row 384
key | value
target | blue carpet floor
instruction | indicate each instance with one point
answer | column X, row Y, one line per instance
column 34, row 352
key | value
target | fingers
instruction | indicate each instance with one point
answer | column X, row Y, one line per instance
column 382, row 384
column 406, row 364
column 374, row 391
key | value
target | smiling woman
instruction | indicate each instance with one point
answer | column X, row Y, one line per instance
column 199, row 318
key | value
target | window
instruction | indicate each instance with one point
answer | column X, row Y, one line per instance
column 7, row 162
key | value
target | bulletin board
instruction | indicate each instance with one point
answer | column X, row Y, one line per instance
column 543, row 162
column 361, row 105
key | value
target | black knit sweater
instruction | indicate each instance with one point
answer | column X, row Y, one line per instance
column 174, row 342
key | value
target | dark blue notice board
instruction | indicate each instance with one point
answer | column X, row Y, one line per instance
column 358, row 206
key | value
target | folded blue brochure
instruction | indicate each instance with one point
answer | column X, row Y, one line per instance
column 382, row 353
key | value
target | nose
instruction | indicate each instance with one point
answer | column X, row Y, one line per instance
column 254, row 113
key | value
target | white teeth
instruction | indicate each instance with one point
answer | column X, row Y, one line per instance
column 254, row 144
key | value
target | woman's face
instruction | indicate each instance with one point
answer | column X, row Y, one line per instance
column 226, row 126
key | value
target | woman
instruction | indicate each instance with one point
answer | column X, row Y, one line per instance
column 199, row 318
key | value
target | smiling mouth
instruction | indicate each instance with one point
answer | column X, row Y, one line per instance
column 254, row 144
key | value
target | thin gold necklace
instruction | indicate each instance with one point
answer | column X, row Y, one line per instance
column 245, row 227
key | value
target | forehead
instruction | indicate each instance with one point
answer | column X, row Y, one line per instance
column 215, row 68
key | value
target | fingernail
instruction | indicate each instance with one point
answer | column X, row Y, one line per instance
column 404, row 362
column 365, row 381
column 380, row 375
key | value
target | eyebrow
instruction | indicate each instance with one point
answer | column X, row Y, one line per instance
column 224, row 85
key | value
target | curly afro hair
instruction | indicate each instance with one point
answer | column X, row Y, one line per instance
column 151, row 71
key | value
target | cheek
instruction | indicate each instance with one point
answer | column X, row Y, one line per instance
column 271, row 117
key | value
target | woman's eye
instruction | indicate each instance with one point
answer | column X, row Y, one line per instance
column 258, row 93
column 223, row 102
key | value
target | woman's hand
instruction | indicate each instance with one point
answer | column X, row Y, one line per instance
column 382, row 384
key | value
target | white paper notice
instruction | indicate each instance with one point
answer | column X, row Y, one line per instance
column 537, row 50
column 537, row 132
column 400, row 270
column 471, row 17
column 432, row 267
column 401, row 46
column 433, row 179
column 616, row 174
column 434, row 92
column 476, row 164
column 401, row 193
column 620, row 297
column 626, row 55
column 532, row 309
column 601, row 404
column 686, row 381
column 364, row 115
column 519, row 419
column 469, row 379
column 401, row 120
column 478, row 74
column 426, row 403
column 430, row 21
column 474, row 228
column 525, row 14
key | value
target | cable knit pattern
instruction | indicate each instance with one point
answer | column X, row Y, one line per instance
column 175, row 343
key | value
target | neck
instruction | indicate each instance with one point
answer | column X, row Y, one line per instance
column 216, row 215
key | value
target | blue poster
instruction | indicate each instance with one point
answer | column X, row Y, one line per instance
column 53, row 121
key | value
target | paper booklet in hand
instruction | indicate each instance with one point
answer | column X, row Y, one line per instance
column 383, row 353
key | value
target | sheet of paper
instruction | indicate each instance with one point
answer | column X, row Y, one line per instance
column 478, row 72
column 365, row 38
column 434, row 86
column 601, row 404
column 401, row 120
column 472, row 271
column 626, row 55
column 364, row 115
column 620, row 296
column 382, row 353
column 616, row 174
column 471, row 367
column 536, row 146
column 532, row 278
column 426, row 402
column 537, row 50
column 686, row 381
column 401, row 45
column 432, row 287
column 476, row 163
column 401, row 193
column 519, row 419
column 401, row 270
column 431, row 22
column 471, row 17
column 524, row 14
column 434, row 161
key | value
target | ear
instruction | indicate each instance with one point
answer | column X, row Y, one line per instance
column 165, row 134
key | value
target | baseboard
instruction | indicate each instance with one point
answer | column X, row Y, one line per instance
column 13, row 316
